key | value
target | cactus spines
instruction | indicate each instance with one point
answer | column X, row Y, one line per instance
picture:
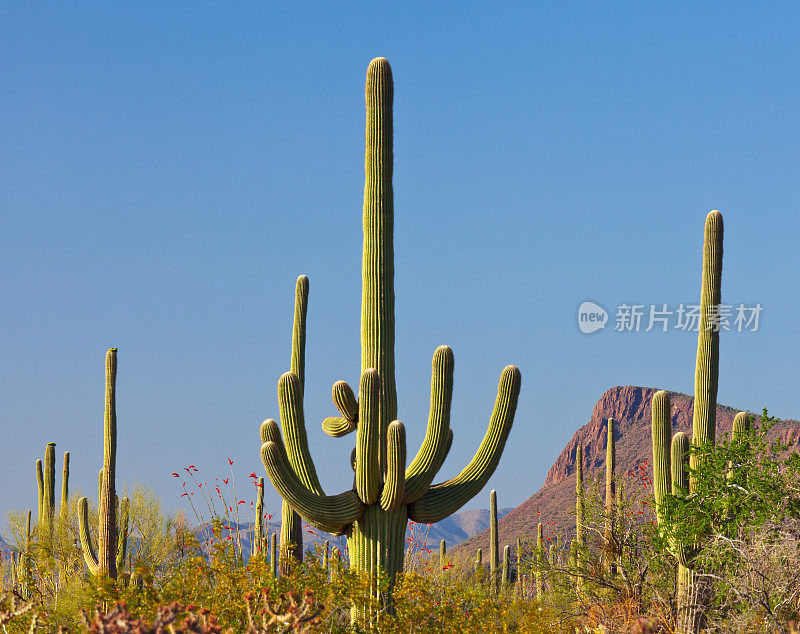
column 610, row 495
column 373, row 518
column 494, row 545
column 103, row 562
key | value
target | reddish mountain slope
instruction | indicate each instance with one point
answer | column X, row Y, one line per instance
column 629, row 406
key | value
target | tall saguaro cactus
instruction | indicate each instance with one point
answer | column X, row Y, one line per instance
column 294, row 431
column 694, row 590
column 387, row 493
column 111, row 543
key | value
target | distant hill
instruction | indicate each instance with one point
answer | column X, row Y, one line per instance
column 629, row 406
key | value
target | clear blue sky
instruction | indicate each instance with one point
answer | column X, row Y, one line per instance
column 167, row 170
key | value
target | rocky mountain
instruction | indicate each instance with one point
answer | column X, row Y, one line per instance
column 554, row 504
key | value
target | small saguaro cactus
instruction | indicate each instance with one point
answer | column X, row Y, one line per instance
column 258, row 525
column 111, row 534
column 442, row 554
column 326, row 546
column 273, row 554
column 611, row 456
column 506, row 576
column 580, row 526
column 478, row 559
column 540, row 561
column 374, row 515
column 494, row 541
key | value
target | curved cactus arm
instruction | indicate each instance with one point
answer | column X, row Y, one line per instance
column 337, row 427
column 346, row 403
column 368, row 477
column 426, row 464
column 445, row 499
column 122, row 532
column 270, row 431
column 331, row 513
column 89, row 553
column 290, row 403
column 394, row 488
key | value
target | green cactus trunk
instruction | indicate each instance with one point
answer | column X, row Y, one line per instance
column 494, row 541
column 110, row 543
column 258, row 524
column 504, row 579
column 387, row 493
column 273, row 554
column 580, row 525
column 611, row 456
column 540, row 562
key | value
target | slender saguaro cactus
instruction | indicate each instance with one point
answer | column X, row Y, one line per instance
column 273, row 554
column 580, row 526
column 40, row 485
column 506, row 568
column 611, row 456
column 294, row 432
column 326, row 546
column 258, row 526
column 494, row 541
column 479, row 559
column 540, row 560
column 697, row 590
column 64, row 510
column 104, row 561
column 387, row 493
column 519, row 567
column 442, row 554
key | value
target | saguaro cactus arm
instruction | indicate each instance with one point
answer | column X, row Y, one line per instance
column 330, row 513
column 422, row 470
column 346, row 403
column 290, row 404
column 445, row 499
column 89, row 553
column 393, row 489
column 368, row 477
